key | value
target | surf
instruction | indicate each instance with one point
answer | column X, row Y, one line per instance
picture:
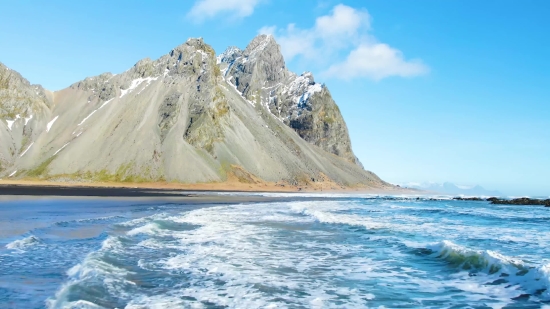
column 501, row 269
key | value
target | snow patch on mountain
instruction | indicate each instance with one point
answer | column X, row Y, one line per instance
column 24, row 152
column 135, row 83
column 50, row 124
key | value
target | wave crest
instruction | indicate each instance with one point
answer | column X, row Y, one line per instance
column 512, row 271
column 329, row 214
column 26, row 242
column 487, row 261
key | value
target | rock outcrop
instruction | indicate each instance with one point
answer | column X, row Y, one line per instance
column 520, row 201
column 188, row 117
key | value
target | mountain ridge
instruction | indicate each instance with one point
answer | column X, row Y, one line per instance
column 181, row 118
column 453, row 189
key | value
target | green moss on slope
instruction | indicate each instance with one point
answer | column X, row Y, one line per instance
column 42, row 169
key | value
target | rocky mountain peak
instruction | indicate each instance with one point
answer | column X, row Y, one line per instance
column 23, row 108
column 260, row 74
column 190, row 47
column 261, row 64
column 229, row 55
column 194, row 56
column 266, row 53
column 260, row 43
column 17, row 96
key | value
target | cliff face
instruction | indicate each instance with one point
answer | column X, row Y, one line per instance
column 187, row 117
column 260, row 74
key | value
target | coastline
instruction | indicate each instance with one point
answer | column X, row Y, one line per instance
column 165, row 189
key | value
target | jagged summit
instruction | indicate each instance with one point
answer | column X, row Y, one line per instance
column 263, row 43
column 229, row 55
column 188, row 116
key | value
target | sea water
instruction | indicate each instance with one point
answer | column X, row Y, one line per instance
column 340, row 251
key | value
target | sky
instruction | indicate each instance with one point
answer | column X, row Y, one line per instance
column 454, row 90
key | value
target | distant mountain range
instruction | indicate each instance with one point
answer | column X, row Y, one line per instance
column 189, row 117
column 452, row 189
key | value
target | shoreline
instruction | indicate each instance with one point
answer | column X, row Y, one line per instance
column 206, row 192
column 115, row 189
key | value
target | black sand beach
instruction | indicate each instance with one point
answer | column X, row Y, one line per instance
column 11, row 191
column 88, row 191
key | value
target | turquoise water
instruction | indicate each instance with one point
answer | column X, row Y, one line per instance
column 340, row 252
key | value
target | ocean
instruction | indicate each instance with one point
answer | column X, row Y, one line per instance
column 338, row 251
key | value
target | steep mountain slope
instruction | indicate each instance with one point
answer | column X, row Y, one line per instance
column 180, row 118
column 23, row 109
column 259, row 73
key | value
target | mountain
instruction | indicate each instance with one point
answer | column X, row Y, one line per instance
column 452, row 189
column 260, row 75
column 188, row 117
column 25, row 110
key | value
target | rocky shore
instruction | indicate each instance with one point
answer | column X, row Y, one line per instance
column 515, row 201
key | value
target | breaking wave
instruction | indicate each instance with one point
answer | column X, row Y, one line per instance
column 510, row 271
column 24, row 243
column 331, row 217
column 94, row 282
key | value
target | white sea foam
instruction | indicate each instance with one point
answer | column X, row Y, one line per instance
column 518, row 275
column 158, row 302
column 79, row 304
column 277, row 255
column 338, row 212
column 21, row 244
column 232, row 244
column 309, row 208
column 224, row 235
column 149, row 228
column 95, row 270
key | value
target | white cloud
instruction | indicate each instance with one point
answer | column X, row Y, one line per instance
column 376, row 61
column 344, row 20
column 345, row 30
column 268, row 30
column 204, row 9
column 294, row 41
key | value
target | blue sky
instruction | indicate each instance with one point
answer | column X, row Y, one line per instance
column 455, row 90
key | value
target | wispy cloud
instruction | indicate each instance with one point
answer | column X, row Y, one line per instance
column 206, row 9
column 345, row 30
